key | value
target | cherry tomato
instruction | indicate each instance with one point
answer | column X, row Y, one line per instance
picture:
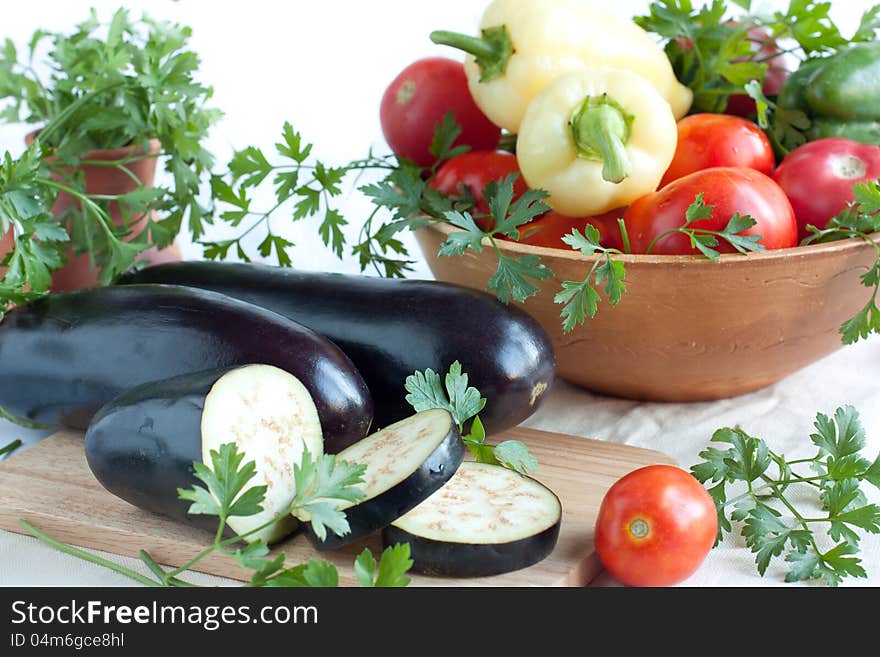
column 418, row 99
column 767, row 51
column 468, row 174
column 549, row 229
column 818, row 177
column 729, row 191
column 719, row 140
column 655, row 526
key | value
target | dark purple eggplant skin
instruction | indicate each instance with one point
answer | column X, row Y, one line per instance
column 443, row 559
column 374, row 514
column 141, row 446
column 392, row 328
column 65, row 355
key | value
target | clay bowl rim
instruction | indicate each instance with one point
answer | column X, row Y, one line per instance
column 840, row 246
column 108, row 154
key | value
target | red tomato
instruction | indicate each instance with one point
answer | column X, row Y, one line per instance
column 549, row 229
column 766, row 50
column 818, row 177
column 655, row 526
column 419, row 98
column 468, row 174
column 719, row 140
column 730, row 191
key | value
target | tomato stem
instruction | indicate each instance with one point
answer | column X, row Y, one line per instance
column 639, row 528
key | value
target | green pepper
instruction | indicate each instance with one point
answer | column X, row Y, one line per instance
column 847, row 87
column 840, row 94
column 867, row 132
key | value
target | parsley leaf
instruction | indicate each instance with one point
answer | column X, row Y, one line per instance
column 394, row 563
column 581, row 298
column 513, row 277
column 225, row 480
column 445, row 134
column 461, row 400
column 322, row 479
column 516, row 456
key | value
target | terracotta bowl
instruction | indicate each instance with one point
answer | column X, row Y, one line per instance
column 688, row 329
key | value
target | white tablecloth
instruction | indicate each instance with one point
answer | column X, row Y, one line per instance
column 782, row 414
column 259, row 84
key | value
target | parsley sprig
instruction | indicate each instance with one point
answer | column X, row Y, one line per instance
column 581, row 298
column 860, row 220
column 513, row 277
column 775, row 520
column 225, row 493
column 426, row 391
column 705, row 240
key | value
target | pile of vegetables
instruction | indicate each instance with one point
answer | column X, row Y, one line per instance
column 612, row 144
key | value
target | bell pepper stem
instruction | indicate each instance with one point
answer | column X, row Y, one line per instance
column 492, row 50
column 470, row 44
column 601, row 129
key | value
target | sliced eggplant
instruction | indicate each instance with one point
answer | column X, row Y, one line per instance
column 66, row 355
column 406, row 463
column 486, row 520
column 141, row 446
column 391, row 328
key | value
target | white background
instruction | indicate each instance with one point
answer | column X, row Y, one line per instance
column 323, row 65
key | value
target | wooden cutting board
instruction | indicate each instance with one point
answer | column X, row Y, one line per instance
column 51, row 487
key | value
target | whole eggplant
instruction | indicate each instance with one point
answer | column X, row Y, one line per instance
column 65, row 355
column 391, row 328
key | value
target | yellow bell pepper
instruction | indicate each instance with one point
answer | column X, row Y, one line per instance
column 526, row 44
column 596, row 140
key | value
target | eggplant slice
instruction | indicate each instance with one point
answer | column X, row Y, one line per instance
column 486, row 520
column 141, row 446
column 406, row 463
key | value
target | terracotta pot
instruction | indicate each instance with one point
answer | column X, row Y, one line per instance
column 78, row 273
column 688, row 329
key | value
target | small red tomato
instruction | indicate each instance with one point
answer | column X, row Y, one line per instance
column 655, row 526
column 728, row 191
column 818, row 177
column 549, row 229
column 767, row 51
column 719, row 140
column 468, row 174
column 419, row 98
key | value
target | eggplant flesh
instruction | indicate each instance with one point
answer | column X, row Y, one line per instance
column 406, row 463
column 141, row 447
column 487, row 520
column 392, row 328
column 66, row 355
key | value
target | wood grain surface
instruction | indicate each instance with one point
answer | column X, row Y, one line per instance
column 51, row 487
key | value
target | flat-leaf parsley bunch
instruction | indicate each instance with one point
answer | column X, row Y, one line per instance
column 109, row 86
